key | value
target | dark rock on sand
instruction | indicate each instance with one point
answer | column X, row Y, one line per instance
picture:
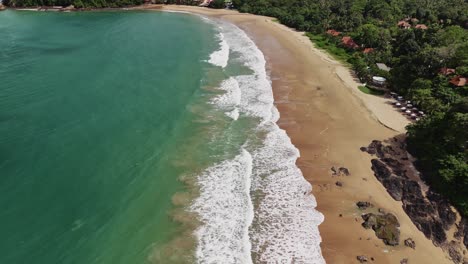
column 412, row 190
column 361, row 259
column 386, row 227
column 396, row 166
column 344, row 171
column 375, row 147
column 455, row 255
column 409, row 242
column 338, row 183
column 394, row 186
column 446, row 214
column 363, row 205
column 340, row 171
column 381, row 170
column 404, row 261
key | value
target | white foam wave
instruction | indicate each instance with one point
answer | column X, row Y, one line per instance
column 220, row 57
column 231, row 98
column 226, row 209
column 284, row 226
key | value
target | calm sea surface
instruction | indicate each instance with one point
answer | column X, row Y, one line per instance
column 144, row 137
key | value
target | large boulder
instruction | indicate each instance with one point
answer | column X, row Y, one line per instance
column 409, row 242
column 386, row 227
column 363, row 205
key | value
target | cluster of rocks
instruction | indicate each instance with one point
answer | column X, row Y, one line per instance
column 385, row 226
column 430, row 212
column 340, row 171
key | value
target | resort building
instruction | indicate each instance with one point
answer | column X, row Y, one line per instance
column 383, row 67
column 333, row 32
column 349, row 42
column 421, row 26
column 368, row 50
column 458, row 81
column 403, row 24
column 447, row 71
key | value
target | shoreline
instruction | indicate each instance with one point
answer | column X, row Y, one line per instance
column 328, row 122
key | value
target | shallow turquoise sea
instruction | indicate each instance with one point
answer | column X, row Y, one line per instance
column 144, row 137
column 93, row 107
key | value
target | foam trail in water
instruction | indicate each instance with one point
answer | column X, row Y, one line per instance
column 231, row 99
column 285, row 228
column 226, row 210
column 221, row 56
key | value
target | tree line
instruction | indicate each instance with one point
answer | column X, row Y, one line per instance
column 416, row 38
column 75, row 3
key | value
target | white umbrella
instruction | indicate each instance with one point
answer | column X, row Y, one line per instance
column 421, row 112
column 409, row 105
column 408, row 111
column 403, row 108
column 398, row 104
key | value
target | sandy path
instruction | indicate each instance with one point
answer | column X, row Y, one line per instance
column 329, row 121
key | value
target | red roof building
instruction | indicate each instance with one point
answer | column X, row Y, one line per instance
column 421, row 26
column 403, row 24
column 458, row 81
column 447, row 71
column 368, row 50
column 349, row 42
column 333, row 32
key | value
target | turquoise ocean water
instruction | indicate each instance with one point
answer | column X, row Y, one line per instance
column 144, row 137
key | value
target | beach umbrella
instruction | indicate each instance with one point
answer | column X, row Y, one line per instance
column 421, row 112
column 413, row 115
column 398, row 104
column 403, row 108
column 408, row 111
column 415, row 109
column 417, row 119
column 409, row 105
column 408, row 102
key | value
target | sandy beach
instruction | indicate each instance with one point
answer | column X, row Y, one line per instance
column 328, row 120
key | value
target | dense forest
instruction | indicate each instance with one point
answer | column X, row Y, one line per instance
column 425, row 42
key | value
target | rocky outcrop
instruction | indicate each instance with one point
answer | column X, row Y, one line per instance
column 430, row 212
column 362, row 259
column 386, row 227
column 340, row 171
column 2, row 7
column 363, row 205
column 409, row 242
